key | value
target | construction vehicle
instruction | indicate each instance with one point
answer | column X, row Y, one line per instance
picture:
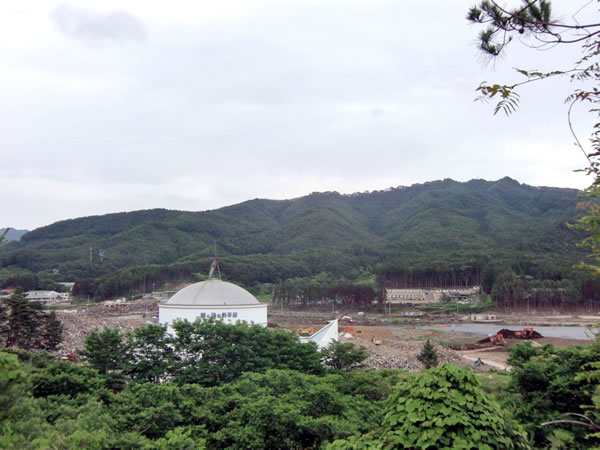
column 525, row 333
column 498, row 339
column 309, row 331
column 375, row 340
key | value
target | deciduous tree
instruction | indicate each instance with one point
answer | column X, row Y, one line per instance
column 212, row 353
column 105, row 350
column 149, row 353
column 343, row 355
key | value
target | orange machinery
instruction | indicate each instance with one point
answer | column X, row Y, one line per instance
column 305, row 331
column 498, row 339
column 525, row 333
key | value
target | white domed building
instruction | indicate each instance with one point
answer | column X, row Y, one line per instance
column 214, row 299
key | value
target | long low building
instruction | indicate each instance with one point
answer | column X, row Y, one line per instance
column 409, row 296
column 416, row 295
column 47, row 296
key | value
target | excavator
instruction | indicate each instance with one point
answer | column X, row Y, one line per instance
column 499, row 338
column 525, row 333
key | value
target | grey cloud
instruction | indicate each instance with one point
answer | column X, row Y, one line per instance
column 276, row 102
column 94, row 26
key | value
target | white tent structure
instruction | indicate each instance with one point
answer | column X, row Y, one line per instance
column 324, row 336
column 214, row 299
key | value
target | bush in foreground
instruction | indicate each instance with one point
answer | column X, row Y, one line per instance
column 444, row 407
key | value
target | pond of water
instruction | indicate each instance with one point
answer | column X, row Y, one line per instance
column 485, row 329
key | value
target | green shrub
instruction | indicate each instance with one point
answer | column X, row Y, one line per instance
column 444, row 407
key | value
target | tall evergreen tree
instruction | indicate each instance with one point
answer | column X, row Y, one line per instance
column 428, row 355
column 25, row 324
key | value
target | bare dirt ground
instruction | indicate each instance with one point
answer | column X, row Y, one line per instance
column 531, row 317
column 560, row 342
column 491, row 358
column 496, row 356
column 393, row 353
column 399, row 346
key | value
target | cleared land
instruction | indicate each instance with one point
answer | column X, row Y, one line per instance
column 399, row 346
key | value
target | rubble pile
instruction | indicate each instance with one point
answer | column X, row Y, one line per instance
column 394, row 354
column 78, row 323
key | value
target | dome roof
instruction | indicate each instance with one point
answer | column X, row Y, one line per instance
column 213, row 293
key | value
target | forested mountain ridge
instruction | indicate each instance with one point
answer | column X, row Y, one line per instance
column 439, row 223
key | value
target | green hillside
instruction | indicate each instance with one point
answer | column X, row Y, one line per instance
column 438, row 224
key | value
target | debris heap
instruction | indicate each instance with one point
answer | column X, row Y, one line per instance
column 403, row 355
column 78, row 323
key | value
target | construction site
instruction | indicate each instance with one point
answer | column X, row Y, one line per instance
column 388, row 346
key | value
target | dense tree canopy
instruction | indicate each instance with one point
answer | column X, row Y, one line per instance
column 205, row 352
column 169, row 397
column 70, row 407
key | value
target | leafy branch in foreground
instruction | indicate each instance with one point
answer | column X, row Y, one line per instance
column 533, row 22
column 3, row 236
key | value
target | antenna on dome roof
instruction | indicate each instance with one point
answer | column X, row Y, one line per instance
column 214, row 265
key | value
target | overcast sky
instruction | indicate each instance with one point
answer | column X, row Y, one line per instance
column 110, row 106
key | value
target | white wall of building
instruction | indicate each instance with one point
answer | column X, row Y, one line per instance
column 251, row 314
